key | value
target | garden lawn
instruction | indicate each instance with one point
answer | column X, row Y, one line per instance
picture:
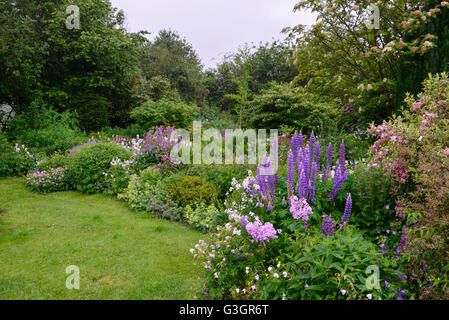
column 122, row 254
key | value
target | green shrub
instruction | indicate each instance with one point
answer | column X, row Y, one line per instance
column 220, row 175
column 150, row 174
column 330, row 268
column 15, row 160
column 191, row 190
column 373, row 203
column 283, row 104
column 154, row 113
column 202, row 218
column 151, row 197
column 55, row 161
column 88, row 166
column 46, row 131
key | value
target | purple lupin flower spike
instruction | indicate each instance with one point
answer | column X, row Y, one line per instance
column 329, row 157
column 313, row 177
column 291, row 173
column 312, row 147
column 328, row 226
column 347, row 212
column 302, row 185
column 340, row 179
column 342, row 156
column 295, row 145
column 324, row 176
column 318, row 154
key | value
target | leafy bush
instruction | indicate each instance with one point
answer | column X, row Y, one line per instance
column 203, row 218
column 150, row 174
column 283, row 104
column 52, row 180
column 131, row 131
column 151, row 197
column 46, row 131
column 15, row 160
column 414, row 150
column 155, row 113
column 373, row 203
column 55, row 161
column 191, row 190
column 219, row 175
column 321, row 267
column 88, row 166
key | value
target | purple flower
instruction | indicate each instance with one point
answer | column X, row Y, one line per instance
column 261, row 232
column 328, row 225
column 347, row 211
column 300, row 209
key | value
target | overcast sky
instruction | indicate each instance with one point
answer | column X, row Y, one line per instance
column 214, row 27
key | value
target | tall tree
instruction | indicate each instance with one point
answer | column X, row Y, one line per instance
column 90, row 70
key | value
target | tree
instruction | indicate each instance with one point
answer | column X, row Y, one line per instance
column 341, row 55
column 43, row 61
column 174, row 58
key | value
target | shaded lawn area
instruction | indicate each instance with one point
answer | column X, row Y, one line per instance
column 122, row 254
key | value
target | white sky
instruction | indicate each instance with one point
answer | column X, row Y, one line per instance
column 214, row 27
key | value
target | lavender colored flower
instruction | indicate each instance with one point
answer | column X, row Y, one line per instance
column 300, row 209
column 291, row 173
column 329, row 157
column 328, row 225
column 340, row 178
column 313, row 177
column 262, row 233
column 401, row 246
column 347, row 211
column 342, row 156
column 312, row 149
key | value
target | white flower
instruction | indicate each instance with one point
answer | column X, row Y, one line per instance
column 276, row 275
column 237, row 290
column 270, row 268
column 192, row 251
column 369, row 296
column 285, row 274
column 253, row 287
column 343, row 291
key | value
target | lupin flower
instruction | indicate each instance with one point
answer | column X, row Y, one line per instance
column 291, row 173
column 347, row 212
column 329, row 157
column 342, row 156
column 328, row 227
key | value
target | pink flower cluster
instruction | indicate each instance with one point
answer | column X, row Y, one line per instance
column 262, row 232
column 300, row 209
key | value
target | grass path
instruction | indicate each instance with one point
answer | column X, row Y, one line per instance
column 121, row 254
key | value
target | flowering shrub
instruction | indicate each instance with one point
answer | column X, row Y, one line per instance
column 413, row 149
column 46, row 181
column 151, row 197
column 15, row 160
column 203, row 218
column 91, row 169
column 191, row 190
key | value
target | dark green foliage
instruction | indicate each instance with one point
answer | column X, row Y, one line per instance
column 219, row 175
column 155, row 113
column 55, row 161
column 90, row 70
column 14, row 160
column 414, row 69
column 174, row 59
column 46, row 131
column 190, row 190
column 86, row 167
column 372, row 202
column 283, row 104
column 320, row 267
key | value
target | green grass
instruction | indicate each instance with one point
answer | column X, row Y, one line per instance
column 122, row 254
